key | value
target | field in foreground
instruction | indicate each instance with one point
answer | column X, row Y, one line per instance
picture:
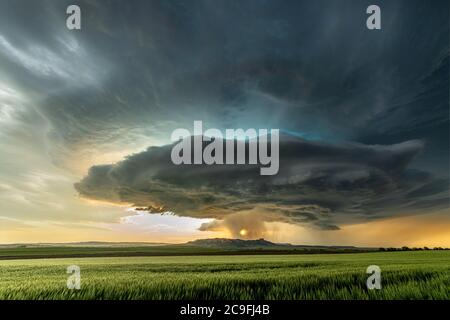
column 405, row 275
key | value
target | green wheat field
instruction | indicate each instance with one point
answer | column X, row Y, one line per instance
column 405, row 275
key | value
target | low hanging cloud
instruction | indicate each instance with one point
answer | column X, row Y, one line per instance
column 319, row 185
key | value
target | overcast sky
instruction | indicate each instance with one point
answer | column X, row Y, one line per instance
column 364, row 118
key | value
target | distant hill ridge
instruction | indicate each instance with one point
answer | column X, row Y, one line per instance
column 235, row 243
column 258, row 243
column 211, row 243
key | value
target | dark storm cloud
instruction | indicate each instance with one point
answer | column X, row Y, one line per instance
column 318, row 184
column 138, row 70
column 309, row 67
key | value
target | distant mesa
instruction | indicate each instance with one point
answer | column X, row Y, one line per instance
column 233, row 243
column 254, row 244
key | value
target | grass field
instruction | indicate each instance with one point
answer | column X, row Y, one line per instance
column 405, row 275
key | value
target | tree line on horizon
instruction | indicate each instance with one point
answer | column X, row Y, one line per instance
column 405, row 248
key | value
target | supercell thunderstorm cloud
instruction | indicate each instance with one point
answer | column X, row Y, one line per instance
column 318, row 184
column 88, row 114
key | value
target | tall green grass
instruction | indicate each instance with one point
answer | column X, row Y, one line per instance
column 405, row 275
